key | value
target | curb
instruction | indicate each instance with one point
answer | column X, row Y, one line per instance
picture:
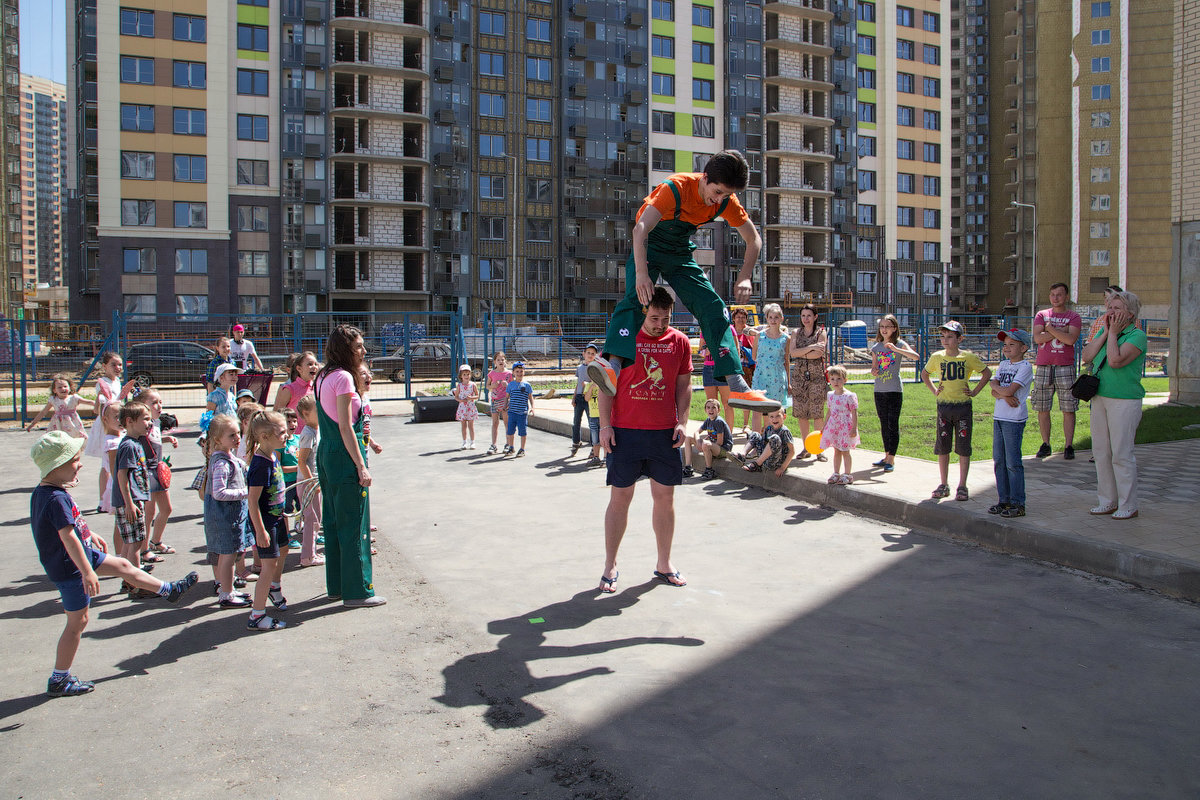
column 1146, row 569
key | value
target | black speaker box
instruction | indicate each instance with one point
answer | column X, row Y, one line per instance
column 434, row 409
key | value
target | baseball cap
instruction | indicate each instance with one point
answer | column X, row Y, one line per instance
column 1018, row 334
column 520, row 364
column 54, row 449
column 239, row 327
column 953, row 325
column 221, row 370
column 461, row 367
column 246, row 393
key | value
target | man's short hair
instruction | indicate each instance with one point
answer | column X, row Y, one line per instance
column 661, row 299
column 1059, row 285
column 728, row 168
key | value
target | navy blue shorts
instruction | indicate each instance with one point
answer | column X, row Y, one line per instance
column 279, row 539
column 516, row 423
column 650, row 453
column 74, row 598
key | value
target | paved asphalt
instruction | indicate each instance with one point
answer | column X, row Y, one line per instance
column 814, row 654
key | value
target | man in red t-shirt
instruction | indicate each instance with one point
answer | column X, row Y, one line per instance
column 642, row 428
column 1055, row 331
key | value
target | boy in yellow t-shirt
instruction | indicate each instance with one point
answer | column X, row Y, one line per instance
column 953, row 392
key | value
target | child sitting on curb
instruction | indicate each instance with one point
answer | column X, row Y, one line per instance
column 714, row 440
column 772, row 449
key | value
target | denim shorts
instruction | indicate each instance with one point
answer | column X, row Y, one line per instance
column 650, row 453
column 516, row 423
column 706, row 376
column 74, row 598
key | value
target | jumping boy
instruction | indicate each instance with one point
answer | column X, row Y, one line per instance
column 955, row 368
column 662, row 246
column 520, row 407
column 73, row 556
column 1010, row 387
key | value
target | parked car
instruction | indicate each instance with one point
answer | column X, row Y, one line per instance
column 167, row 362
column 421, row 361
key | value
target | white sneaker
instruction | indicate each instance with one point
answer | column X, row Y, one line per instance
column 471, row 445
column 463, row 446
column 1101, row 510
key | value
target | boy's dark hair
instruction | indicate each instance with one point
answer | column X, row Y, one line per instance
column 661, row 299
column 289, row 413
column 1059, row 285
column 728, row 168
column 132, row 410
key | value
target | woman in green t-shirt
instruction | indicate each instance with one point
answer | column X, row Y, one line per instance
column 1117, row 354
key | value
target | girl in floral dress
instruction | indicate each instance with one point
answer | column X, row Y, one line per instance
column 466, row 393
column 840, row 429
column 770, row 359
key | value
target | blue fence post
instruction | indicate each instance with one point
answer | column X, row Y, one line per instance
column 12, row 358
column 297, row 339
column 24, row 371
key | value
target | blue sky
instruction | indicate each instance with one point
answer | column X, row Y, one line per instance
column 43, row 38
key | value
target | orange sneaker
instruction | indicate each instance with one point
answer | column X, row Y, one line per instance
column 603, row 375
column 754, row 400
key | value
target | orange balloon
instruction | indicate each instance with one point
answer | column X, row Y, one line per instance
column 812, row 442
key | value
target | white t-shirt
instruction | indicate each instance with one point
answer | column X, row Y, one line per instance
column 242, row 353
column 1009, row 373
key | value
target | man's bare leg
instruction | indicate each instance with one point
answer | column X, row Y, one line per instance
column 616, row 517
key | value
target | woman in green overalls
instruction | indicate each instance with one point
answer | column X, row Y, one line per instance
column 342, row 471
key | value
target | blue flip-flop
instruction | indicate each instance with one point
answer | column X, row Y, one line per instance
column 670, row 578
column 608, row 585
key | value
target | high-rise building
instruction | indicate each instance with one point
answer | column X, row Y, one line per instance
column 970, row 112
column 11, row 255
column 1184, row 318
column 43, row 131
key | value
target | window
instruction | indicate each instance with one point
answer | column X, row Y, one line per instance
column 189, row 75
column 491, row 64
column 252, row 127
column 866, row 214
column 931, row 54
column 191, row 307
column 1102, row 91
column 1101, row 10
column 906, row 282
column 662, row 121
column 866, row 45
column 906, row 50
column 192, row 169
column 661, row 83
column 932, row 153
column 1098, row 285
column 866, row 112
column 137, row 23
column 191, row 215
column 491, row 23
column 537, row 110
column 931, row 284
column 491, row 269
column 190, row 121
column 537, row 310
column 931, row 87
column 193, row 262
column 906, row 249
column 931, row 251
column 491, row 145
column 137, row 70
column 905, row 17
column 491, row 105
column 866, row 249
column 537, row 190
column 702, row 16
column 137, row 212
column 537, row 69
column 1102, row 36
column 906, row 149
column 1101, row 147
column 491, row 187
column 867, row 282
column 866, row 78
column 139, row 307
column 1099, row 230
column 1101, row 202
column 662, row 9
column 702, row 53
column 866, row 146
column 252, row 81
column 905, row 216
column 931, row 22
column 140, row 259
column 492, row 229
column 702, row 126
column 1101, row 258
column 139, row 166
column 866, row 12
column 537, row 149
column 190, row 29
column 662, row 159
column 252, row 305
column 251, row 172
column 662, row 46
column 932, row 120
column 1102, row 64
column 538, row 270
column 866, row 180
column 1101, row 119
column 253, row 263
column 1101, row 174
column 252, row 218
column 933, row 186
column 537, row 230
column 905, row 82
column 931, row 218
column 702, row 88
column 906, row 115
column 699, row 160
column 537, row 30
column 252, row 37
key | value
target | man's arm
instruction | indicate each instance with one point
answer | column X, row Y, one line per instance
column 744, row 286
column 683, row 405
column 605, row 404
column 645, row 286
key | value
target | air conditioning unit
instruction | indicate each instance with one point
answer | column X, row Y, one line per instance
column 635, row 97
column 844, row 86
column 314, row 287
column 313, row 240
column 635, row 58
column 313, row 150
column 635, row 136
column 579, row 50
column 579, row 10
column 443, row 73
column 843, row 51
column 444, row 30
column 579, row 131
column 845, row 121
column 443, row 160
column 444, row 116
column 314, row 195
column 635, row 19
column 579, row 89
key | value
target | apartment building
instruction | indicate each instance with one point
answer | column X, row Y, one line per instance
column 970, row 156
column 43, row 128
column 11, row 288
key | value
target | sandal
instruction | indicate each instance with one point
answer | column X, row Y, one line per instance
column 834, row 479
column 669, row 578
column 607, row 585
column 804, row 453
column 265, row 623
column 822, row 457
column 941, row 491
column 962, row 494
column 150, row 557
column 753, row 466
column 162, row 549
column 847, row 479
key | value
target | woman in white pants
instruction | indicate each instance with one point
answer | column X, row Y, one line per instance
column 1117, row 354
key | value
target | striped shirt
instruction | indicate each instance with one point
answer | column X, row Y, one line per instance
column 519, row 395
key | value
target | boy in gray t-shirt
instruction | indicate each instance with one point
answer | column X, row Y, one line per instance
column 579, row 402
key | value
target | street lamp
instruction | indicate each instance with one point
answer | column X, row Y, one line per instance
column 1033, row 256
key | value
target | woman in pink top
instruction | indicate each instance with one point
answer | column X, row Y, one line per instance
column 302, row 370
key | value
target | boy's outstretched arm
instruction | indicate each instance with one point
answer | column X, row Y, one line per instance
column 644, row 286
column 744, row 286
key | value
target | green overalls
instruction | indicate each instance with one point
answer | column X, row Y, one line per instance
column 346, row 514
column 669, row 249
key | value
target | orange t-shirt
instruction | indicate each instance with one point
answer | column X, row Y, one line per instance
column 693, row 209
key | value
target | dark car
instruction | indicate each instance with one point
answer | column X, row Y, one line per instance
column 167, row 362
column 421, row 361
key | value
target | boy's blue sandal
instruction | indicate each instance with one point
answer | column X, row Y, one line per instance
column 180, row 586
column 69, row 687
column 608, row 585
column 670, row 578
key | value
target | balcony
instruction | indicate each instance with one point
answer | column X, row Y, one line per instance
column 452, row 285
column 812, row 9
column 371, row 15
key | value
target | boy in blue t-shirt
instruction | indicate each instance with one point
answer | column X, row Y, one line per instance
column 714, row 440
column 73, row 556
column 520, row 408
